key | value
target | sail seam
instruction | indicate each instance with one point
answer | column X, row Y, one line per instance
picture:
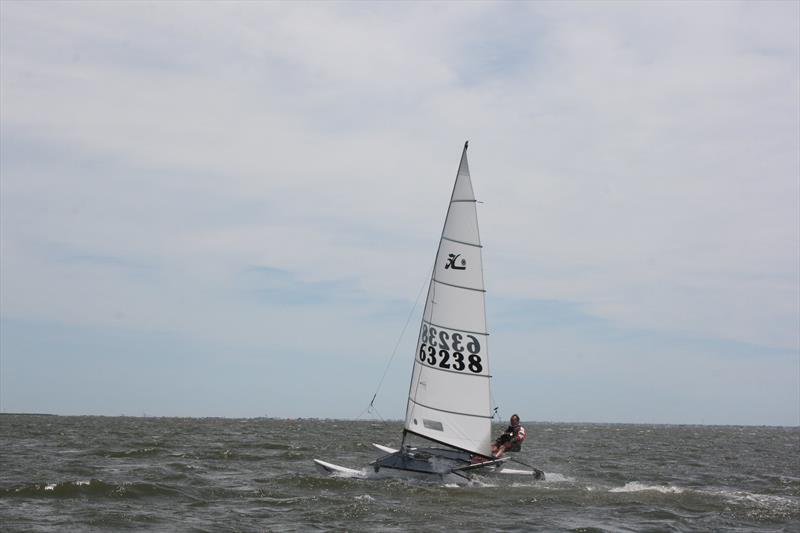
column 445, row 410
column 454, row 329
column 473, row 200
column 458, row 286
column 461, row 242
column 460, row 372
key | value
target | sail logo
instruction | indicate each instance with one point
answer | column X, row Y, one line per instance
column 454, row 263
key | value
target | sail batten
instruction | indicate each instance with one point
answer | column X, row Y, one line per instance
column 440, row 442
column 438, row 369
column 449, row 407
column 459, row 286
column 464, row 243
column 450, row 412
column 437, row 325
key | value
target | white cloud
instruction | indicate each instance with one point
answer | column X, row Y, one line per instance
column 639, row 159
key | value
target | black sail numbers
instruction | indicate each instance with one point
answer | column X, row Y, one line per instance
column 449, row 350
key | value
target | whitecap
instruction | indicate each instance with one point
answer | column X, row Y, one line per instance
column 635, row 486
column 769, row 501
column 481, row 483
column 557, row 478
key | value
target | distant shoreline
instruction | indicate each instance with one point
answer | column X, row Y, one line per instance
column 316, row 419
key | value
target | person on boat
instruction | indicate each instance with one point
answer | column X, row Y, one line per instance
column 511, row 439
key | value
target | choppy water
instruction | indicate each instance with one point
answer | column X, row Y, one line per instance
column 180, row 474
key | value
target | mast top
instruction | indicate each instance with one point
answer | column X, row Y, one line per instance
column 466, row 144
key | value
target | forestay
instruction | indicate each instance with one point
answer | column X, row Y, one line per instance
column 449, row 398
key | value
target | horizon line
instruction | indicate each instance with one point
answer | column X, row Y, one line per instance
column 393, row 420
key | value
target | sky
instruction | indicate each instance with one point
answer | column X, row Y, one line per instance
column 229, row 209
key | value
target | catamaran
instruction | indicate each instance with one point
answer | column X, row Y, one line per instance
column 449, row 399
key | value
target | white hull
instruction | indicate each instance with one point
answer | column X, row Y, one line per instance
column 460, row 478
column 384, row 473
column 492, row 471
column 332, row 469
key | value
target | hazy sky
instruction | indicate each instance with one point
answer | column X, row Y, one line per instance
column 228, row 209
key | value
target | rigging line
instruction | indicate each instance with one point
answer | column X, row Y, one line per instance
column 495, row 414
column 370, row 409
column 362, row 413
column 397, row 345
column 377, row 413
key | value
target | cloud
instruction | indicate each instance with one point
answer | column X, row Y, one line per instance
column 231, row 172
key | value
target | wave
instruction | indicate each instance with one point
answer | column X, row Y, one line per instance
column 87, row 488
column 635, row 486
column 138, row 452
column 762, row 506
column 554, row 477
column 750, row 505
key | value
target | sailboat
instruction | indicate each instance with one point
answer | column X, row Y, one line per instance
column 449, row 398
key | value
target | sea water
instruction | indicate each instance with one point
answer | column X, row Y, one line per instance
column 211, row 474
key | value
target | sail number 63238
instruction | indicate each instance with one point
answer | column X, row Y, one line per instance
column 449, row 351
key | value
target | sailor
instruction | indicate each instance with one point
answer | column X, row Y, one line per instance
column 510, row 440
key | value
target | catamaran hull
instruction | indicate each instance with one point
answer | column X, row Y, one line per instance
column 334, row 470
column 427, row 464
column 385, row 473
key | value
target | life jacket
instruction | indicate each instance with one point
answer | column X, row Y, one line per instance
column 517, row 436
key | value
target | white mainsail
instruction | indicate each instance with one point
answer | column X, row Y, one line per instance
column 449, row 399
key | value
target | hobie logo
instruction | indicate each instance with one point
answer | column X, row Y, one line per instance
column 455, row 263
